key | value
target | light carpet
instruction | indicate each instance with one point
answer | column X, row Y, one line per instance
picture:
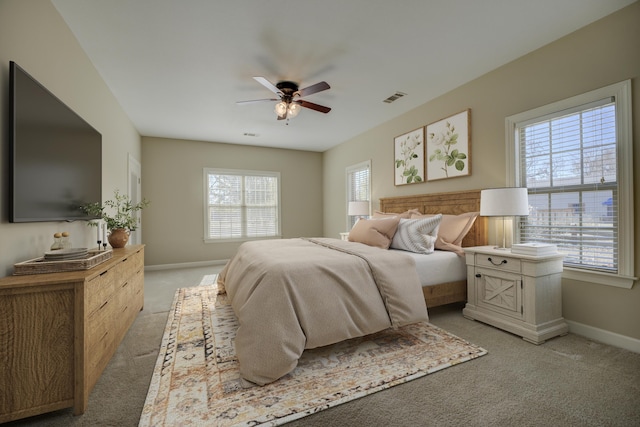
column 196, row 379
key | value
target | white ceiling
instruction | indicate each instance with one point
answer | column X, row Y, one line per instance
column 178, row 67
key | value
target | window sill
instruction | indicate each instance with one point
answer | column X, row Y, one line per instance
column 607, row 279
column 241, row 239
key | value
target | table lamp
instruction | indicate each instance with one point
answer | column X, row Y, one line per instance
column 510, row 201
column 358, row 208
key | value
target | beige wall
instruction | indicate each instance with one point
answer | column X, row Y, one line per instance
column 33, row 35
column 603, row 53
column 172, row 179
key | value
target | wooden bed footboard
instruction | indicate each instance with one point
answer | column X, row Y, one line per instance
column 453, row 203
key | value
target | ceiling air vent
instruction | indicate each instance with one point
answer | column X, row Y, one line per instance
column 393, row 97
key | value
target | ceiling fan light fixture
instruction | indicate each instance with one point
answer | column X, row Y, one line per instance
column 288, row 91
column 294, row 109
column 281, row 108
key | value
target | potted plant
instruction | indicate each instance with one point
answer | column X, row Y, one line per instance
column 119, row 215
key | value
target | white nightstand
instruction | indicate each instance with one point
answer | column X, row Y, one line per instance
column 344, row 236
column 518, row 293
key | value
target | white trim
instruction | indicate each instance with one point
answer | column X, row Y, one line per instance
column 358, row 166
column 134, row 168
column 185, row 265
column 599, row 278
column 603, row 336
column 622, row 93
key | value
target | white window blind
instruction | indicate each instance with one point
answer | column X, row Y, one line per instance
column 358, row 187
column 569, row 165
column 241, row 204
column 575, row 156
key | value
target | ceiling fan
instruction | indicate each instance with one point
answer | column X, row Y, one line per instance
column 290, row 102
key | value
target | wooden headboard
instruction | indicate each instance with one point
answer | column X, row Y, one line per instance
column 453, row 203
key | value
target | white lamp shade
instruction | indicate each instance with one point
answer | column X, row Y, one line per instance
column 358, row 208
column 512, row 201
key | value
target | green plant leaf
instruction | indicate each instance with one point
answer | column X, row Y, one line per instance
column 460, row 165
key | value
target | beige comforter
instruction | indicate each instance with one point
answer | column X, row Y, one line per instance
column 294, row 294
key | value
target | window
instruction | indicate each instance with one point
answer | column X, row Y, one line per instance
column 575, row 159
column 358, row 187
column 241, row 204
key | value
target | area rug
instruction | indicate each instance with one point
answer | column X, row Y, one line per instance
column 196, row 380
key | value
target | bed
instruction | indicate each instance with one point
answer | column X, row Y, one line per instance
column 453, row 203
column 295, row 294
column 290, row 295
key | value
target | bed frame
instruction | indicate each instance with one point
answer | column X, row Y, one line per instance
column 453, row 203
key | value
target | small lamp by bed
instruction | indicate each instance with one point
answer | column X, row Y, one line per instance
column 504, row 202
column 358, row 208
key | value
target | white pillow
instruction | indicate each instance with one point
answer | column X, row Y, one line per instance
column 417, row 235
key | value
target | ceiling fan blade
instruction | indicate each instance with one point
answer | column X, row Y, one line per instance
column 318, row 87
column 266, row 83
column 253, row 101
column 311, row 105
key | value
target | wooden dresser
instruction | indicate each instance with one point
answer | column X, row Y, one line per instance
column 58, row 332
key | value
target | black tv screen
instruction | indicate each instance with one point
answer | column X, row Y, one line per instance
column 55, row 161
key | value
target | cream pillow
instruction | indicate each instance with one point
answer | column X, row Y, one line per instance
column 376, row 232
column 452, row 230
column 417, row 235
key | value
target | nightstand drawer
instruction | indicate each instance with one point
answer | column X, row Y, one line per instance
column 504, row 263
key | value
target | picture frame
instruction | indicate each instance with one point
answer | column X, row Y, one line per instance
column 409, row 157
column 448, row 147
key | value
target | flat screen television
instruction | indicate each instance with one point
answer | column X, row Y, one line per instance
column 55, row 157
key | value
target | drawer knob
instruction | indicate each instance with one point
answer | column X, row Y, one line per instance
column 478, row 275
column 504, row 261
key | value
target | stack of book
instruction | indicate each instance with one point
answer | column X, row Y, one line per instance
column 534, row 249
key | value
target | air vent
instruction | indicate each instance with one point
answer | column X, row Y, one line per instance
column 393, row 97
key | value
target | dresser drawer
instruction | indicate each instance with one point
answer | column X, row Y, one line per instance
column 504, row 263
column 129, row 266
column 100, row 339
column 99, row 290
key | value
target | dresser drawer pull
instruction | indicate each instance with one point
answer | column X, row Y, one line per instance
column 504, row 261
column 103, row 304
column 478, row 275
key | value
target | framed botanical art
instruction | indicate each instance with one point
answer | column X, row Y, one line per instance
column 448, row 147
column 409, row 157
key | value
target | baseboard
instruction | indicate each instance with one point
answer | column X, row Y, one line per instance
column 606, row 337
column 185, row 265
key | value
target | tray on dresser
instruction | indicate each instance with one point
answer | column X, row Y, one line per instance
column 42, row 265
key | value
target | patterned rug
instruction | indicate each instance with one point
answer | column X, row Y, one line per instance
column 196, row 380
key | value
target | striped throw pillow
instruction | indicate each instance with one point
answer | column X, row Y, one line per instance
column 417, row 235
